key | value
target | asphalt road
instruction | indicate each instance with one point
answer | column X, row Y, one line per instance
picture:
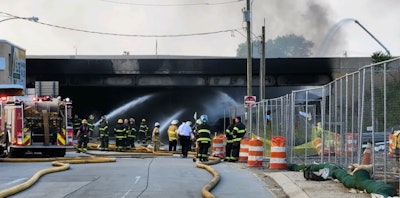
column 132, row 177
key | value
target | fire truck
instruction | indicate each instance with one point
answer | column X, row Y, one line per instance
column 35, row 125
column 30, row 122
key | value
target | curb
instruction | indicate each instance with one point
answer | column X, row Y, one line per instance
column 288, row 185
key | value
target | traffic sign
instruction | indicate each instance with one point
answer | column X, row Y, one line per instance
column 249, row 101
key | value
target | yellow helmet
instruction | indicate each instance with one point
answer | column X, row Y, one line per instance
column 91, row 117
column 84, row 121
column 120, row 121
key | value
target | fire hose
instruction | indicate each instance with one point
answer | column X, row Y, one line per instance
column 60, row 164
column 63, row 163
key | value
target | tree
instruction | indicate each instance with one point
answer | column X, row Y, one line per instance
column 380, row 56
column 283, row 46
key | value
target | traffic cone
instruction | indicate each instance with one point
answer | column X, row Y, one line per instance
column 367, row 155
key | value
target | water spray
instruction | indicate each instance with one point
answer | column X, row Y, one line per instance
column 122, row 109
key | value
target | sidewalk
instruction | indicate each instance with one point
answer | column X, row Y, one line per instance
column 294, row 185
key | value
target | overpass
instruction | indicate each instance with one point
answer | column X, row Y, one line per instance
column 122, row 71
column 175, row 86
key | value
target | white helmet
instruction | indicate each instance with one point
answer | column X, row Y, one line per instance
column 174, row 122
column 156, row 124
column 188, row 123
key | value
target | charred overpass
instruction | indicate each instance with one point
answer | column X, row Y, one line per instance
column 156, row 71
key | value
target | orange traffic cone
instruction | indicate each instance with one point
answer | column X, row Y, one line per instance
column 367, row 155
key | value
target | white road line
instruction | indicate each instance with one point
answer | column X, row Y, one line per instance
column 136, row 181
column 13, row 182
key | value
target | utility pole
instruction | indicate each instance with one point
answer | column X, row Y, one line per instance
column 249, row 63
column 247, row 17
column 262, row 65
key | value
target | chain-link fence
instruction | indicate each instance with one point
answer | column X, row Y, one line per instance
column 334, row 123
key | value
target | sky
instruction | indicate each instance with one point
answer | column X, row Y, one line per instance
column 197, row 27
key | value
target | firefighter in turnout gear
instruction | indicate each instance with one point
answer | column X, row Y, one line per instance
column 76, row 122
column 143, row 130
column 238, row 133
column 103, row 134
column 119, row 131
column 53, row 131
column 131, row 134
column 91, row 122
column 204, row 139
column 83, row 136
column 173, row 135
column 156, row 136
column 229, row 140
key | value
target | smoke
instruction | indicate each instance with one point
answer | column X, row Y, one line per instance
column 310, row 19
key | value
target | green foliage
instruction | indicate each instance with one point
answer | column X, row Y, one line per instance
column 380, row 56
column 283, row 46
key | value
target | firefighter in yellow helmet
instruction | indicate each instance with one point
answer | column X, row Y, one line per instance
column 83, row 136
column 119, row 132
column 143, row 130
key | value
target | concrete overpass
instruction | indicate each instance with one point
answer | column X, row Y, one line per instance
column 175, row 87
column 163, row 71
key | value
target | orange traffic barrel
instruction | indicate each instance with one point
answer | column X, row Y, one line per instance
column 318, row 146
column 278, row 153
column 256, row 156
column 351, row 144
column 244, row 149
column 218, row 146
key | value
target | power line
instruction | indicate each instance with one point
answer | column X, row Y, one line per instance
column 165, row 5
column 125, row 35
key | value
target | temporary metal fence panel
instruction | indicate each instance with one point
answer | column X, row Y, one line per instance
column 333, row 123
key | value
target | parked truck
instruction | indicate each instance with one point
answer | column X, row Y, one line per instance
column 30, row 122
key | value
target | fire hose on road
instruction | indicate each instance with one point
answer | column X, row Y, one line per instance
column 60, row 164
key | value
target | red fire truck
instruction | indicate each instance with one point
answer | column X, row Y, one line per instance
column 29, row 123
column 35, row 125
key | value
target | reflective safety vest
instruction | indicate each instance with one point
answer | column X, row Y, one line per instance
column 172, row 132
column 119, row 131
column 229, row 133
column 132, row 131
column 91, row 125
column 103, row 129
column 238, row 132
column 204, row 134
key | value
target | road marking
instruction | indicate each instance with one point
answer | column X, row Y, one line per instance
column 136, row 181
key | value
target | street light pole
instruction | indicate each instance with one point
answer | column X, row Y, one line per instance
column 249, row 63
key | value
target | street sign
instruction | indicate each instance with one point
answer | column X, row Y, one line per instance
column 249, row 101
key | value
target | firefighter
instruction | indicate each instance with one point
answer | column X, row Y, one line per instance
column 119, row 131
column 127, row 132
column 173, row 135
column 143, row 129
column 204, row 139
column 156, row 136
column 194, row 136
column 229, row 140
column 91, row 124
column 76, row 123
column 83, row 136
column 53, row 131
column 103, row 133
column 132, row 134
column 238, row 133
